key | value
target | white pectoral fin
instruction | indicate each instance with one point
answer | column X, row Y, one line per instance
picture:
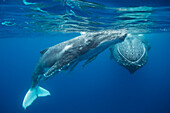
column 32, row 94
column 51, row 71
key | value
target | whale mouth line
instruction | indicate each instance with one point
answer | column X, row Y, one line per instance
column 144, row 50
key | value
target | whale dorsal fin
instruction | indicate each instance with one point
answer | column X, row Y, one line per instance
column 43, row 51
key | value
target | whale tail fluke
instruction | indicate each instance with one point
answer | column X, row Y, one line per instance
column 32, row 94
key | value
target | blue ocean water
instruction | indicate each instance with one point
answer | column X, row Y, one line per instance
column 103, row 86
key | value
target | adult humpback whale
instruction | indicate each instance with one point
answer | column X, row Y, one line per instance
column 66, row 55
column 132, row 53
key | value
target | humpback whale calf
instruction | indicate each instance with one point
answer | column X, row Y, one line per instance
column 66, row 55
column 132, row 53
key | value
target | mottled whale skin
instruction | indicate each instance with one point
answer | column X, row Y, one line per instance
column 132, row 53
column 66, row 55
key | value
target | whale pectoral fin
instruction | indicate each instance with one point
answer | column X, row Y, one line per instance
column 147, row 45
column 111, row 52
column 145, row 42
column 89, row 60
column 51, row 71
column 72, row 67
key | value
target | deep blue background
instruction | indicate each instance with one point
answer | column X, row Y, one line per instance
column 103, row 86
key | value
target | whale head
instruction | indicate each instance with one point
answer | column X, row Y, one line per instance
column 131, row 53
